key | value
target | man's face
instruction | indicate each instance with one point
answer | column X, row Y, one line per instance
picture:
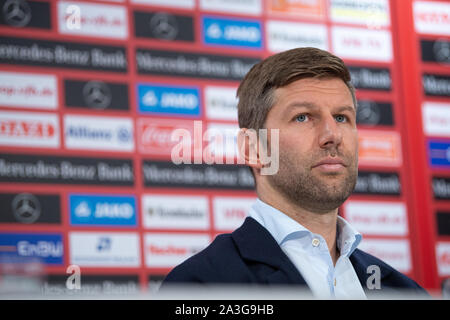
column 318, row 141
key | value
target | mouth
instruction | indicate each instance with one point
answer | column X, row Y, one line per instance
column 330, row 165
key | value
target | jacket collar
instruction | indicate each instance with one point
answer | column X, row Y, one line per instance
column 363, row 264
column 256, row 244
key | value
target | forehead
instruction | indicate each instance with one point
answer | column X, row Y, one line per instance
column 329, row 91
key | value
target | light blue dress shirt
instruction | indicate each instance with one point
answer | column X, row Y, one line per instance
column 310, row 255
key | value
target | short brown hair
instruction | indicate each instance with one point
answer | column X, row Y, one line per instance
column 256, row 90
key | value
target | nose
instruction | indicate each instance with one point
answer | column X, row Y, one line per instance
column 330, row 134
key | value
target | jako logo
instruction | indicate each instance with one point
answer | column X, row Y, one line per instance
column 231, row 32
column 102, row 210
column 169, row 100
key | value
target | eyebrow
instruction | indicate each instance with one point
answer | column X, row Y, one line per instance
column 312, row 105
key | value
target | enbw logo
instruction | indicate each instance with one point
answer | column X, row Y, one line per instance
column 46, row 248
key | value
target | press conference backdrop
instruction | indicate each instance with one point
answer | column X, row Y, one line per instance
column 91, row 92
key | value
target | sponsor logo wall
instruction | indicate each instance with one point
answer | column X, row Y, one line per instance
column 89, row 102
column 432, row 32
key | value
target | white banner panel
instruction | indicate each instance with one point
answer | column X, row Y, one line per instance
column 283, row 35
column 370, row 13
column 166, row 250
column 248, row 7
column 104, row 249
column 230, row 212
column 28, row 90
column 94, row 20
column 432, row 17
column 362, row 44
column 443, row 258
column 175, row 212
column 184, row 4
column 396, row 253
column 222, row 140
column 22, row 129
column 98, row 133
column 436, row 119
column 377, row 218
column 221, row 103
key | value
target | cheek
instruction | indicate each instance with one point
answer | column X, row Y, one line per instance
column 351, row 139
column 295, row 150
column 292, row 144
column 352, row 145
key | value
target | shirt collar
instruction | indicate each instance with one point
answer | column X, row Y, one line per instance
column 284, row 228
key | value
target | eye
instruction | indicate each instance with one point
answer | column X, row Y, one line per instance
column 301, row 118
column 341, row 118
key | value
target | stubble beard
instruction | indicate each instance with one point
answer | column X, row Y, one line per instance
column 312, row 190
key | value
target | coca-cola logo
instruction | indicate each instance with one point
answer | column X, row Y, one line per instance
column 444, row 258
column 157, row 136
column 37, row 129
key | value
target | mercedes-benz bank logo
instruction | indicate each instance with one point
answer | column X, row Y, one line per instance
column 104, row 244
column 26, row 208
column 441, row 49
column 97, row 94
column 368, row 113
column 16, row 13
column 164, row 26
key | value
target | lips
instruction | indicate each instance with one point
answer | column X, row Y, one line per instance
column 332, row 162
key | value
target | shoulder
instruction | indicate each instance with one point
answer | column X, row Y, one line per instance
column 212, row 264
column 390, row 277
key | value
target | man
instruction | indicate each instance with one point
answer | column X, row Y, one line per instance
column 293, row 234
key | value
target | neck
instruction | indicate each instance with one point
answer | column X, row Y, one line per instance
column 324, row 223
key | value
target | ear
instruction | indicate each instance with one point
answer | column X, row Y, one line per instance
column 247, row 140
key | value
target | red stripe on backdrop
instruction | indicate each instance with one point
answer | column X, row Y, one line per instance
column 418, row 179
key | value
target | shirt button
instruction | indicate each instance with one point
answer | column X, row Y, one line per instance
column 315, row 242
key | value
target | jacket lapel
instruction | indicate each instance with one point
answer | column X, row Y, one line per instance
column 256, row 244
column 361, row 263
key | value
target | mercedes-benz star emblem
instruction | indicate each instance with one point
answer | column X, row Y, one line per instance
column 16, row 13
column 26, row 208
column 97, row 94
column 441, row 50
column 368, row 113
column 164, row 26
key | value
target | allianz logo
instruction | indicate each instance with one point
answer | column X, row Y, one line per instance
column 171, row 100
column 43, row 249
column 105, row 210
column 81, row 132
column 234, row 33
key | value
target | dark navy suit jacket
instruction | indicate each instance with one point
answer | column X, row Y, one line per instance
column 250, row 255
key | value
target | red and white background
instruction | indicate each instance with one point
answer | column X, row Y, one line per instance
column 91, row 92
